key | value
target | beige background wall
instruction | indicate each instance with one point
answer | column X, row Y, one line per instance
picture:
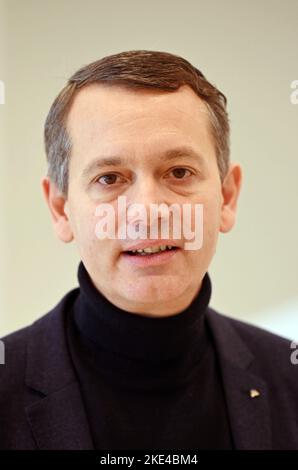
column 248, row 49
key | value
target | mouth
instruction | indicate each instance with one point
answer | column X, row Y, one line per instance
column 142, row 258
column 151, row 251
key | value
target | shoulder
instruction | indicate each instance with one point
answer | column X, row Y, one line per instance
column 13, row 366
column 17, row 344
column 256, row 336
column 273, row 355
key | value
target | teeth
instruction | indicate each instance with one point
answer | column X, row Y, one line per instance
column 153, row 249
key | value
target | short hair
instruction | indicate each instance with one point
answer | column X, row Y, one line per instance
column 137, row 69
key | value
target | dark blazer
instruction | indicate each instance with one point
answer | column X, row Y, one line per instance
column 41, row 406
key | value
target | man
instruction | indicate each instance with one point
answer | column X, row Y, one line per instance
column 135, row 357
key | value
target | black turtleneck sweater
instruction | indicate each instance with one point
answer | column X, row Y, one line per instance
column 147, row 383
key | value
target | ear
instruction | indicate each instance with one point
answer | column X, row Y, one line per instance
column 230, row 192
column 57, row 203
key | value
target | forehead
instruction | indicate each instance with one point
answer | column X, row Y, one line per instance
column 106, row 118
column 115, row 104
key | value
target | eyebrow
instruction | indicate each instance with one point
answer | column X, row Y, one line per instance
column 168, row 155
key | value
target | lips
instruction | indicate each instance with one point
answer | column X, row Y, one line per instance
column 143, row 260
column 153, row 244
column 151, row 251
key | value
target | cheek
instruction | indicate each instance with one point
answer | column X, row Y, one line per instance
column 83, row 225
column 211, row 221
column 98, row 250
column 211, row 227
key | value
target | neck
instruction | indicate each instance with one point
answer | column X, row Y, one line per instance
column 137, row 335
column 157, row 309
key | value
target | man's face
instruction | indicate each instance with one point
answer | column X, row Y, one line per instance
column 140, row 126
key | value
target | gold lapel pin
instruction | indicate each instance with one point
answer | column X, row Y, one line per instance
column 254, row 393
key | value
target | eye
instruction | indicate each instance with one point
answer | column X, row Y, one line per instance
column 107, row 180
column 180, row 172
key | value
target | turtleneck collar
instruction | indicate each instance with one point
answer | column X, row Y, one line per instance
column 164, row 347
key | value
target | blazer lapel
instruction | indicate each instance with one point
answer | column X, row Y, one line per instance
column 246, row 393
column 54, row 407
column 249, row 415
column 58, row 421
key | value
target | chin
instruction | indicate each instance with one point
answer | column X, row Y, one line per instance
column 154, row 290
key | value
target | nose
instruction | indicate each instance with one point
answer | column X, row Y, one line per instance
column 143, row 206
column 146, row 191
